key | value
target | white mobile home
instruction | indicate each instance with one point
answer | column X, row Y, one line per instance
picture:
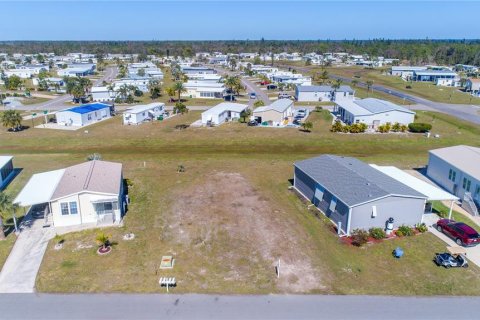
column 457, row 170
column 222, row 112
column 102, row 94
column 373, row 112
column 90, row 193
column 142, row 113
column 83, row 115
column 204, row 89
column 323, row 93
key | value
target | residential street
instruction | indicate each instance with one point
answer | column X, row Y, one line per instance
column 462, row 111
column 192, row 306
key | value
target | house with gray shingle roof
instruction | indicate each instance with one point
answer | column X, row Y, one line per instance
column 373, row 112
column 355, row 195
column 88, row 194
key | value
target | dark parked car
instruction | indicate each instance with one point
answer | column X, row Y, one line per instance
column 448, row 260
column 252, row 123
column 462, row 233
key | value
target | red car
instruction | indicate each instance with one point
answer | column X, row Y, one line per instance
column 264, row 83
column 462, row 233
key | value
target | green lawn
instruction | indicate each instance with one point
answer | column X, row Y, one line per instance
column 225, row 244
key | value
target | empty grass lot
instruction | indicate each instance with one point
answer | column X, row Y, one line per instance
column 230, row 216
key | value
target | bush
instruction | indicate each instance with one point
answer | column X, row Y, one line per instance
column 377, row 233
column 421, row 227
column 405, row 231
column 318, row 108
column 359, row 237
column 337, row 126
column 419, row 127
column 408, row 87
column 396, row 127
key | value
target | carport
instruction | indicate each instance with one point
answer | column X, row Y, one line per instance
column 39, row 189
column 432, row 192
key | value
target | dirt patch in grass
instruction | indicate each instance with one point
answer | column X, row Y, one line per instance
column 225, row 209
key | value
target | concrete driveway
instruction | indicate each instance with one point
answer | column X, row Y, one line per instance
column 473, row 253
column 20, row 270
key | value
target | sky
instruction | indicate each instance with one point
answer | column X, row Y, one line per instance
column 237, row 20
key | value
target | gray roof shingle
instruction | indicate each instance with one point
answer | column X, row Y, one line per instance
column 95, row 176
column 353, row 181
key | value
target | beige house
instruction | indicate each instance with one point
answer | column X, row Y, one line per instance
column 275, row 114
column 90, row 193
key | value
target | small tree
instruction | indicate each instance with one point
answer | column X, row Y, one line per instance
column 180, row 108
column 307, row 126
column 7, row 208
column 396, row 127
column 244, row 114
column 11, row 119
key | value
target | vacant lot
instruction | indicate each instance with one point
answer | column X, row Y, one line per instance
column 230, row 216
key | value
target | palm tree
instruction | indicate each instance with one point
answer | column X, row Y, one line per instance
column 7, row 207
column 179, row 89
column 11, row 119
column 369, row 85
column 336, row 85
column 233, row 64
column 232, row 83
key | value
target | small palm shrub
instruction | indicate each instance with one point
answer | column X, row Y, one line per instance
column 405, row 231
column 421, row 227
column 377, row 233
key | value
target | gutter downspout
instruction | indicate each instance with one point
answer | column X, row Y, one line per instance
column 348, row 221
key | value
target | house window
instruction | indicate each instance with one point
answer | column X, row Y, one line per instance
column 89, row 117
column 64, row 208
column 333, row 204
column 452, row 175
column 477, row 190
column 73, row 208
column 466, row 184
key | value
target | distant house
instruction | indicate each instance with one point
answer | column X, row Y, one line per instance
column 204, row 90
column 102, row 94
column 439, row 77
column 473, row 86
column 355, row 195
column 275, row 114
column 90, row 193
column 323, row 93
column 198, row 70
column 373, row 112
column 6, row 170
column 83, row 115
column 457, row 170
column 141, row 83
column 406, row 72
column 223, row 112
column 142, row 113
column 77, row 70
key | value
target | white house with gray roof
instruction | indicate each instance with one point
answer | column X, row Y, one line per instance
column 373, row 112
column 457, row 170
column 276, row 114
column 222, row 112
column 355, row 195
column 323, row 93
column 87, row 194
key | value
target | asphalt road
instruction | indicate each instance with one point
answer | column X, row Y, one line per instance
column 466, row 112
column 157, row 306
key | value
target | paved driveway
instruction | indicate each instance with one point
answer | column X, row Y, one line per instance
column 473, row 253
column 20, row 270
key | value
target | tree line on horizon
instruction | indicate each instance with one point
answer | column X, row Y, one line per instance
column 415, row 51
